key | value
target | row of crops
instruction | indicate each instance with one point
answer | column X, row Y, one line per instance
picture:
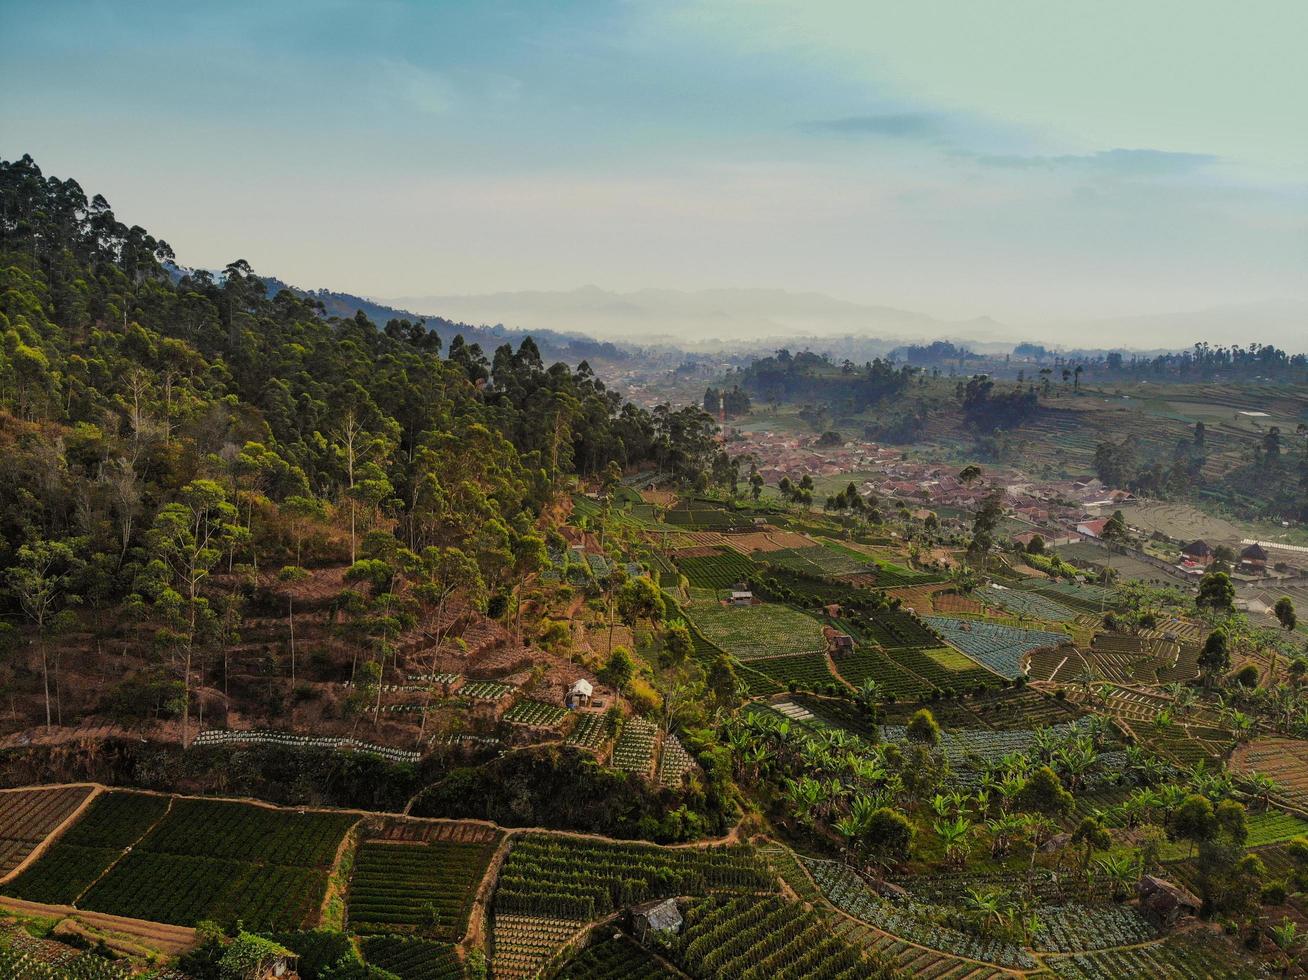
column 748, row 937
column 399, row 886
column 765, row 630
column 1001, row 648
column 1032, row 604
column 535, row 714
column 617, row 958
column 191, row 860
column 583, row 879
column 847, row 891
column 112, row 823
column 27, row 817
column 720, row 570
column 590, row 732
column 634, row 751
column 411, row 958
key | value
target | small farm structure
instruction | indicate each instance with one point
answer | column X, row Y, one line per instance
column 657, row 916
column 580, row 694
column 1197, row 553
column 1165, row 902
column 838, row 643
column 741, row 598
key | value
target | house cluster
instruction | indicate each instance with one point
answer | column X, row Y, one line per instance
column 1253, row 558
column 781, row 455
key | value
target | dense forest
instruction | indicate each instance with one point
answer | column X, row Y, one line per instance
column 157, row 431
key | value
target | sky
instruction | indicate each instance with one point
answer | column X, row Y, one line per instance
column 1023, row 159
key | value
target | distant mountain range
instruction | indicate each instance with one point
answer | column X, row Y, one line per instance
column 764, row 318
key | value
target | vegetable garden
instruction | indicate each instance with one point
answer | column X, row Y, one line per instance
column 429, row 887
column 750, row 632
column 580, row 878
column 634, row 751
column 29, row 816
column 410, row 958
column 1001, row 648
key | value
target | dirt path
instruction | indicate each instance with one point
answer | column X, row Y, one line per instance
column 158, row 935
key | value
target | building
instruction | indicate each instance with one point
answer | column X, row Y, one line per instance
column 838, row 643
column 1165, row 902
column 1254, row 558
column 580, row 694
column 1197, row 553
column 661, row 915
column 1092, row 528
column 741, row 598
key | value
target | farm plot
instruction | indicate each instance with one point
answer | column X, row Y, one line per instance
column 399, row 887
column 522, row 944
column 581, row 878
column 1023, row 707
column 750, row 632
column 410, row 958
column 114, row 821
column 895, row 628
column 808, row 671
column 847, row 891
column 1001, row 648
column 763, row 938
column 1192, row 956
column 590, row 732
column 1085, row 598
column 1032, row 605
column 963, row 744
column 719, row 570
column 943, row 667
column 1284, row 759
column 674, row 762
column 1079, row 928
column 870, row 663
column 29, row 816
column 486, row 690
column 616, row 958
column 535, row 714
column 820, row 561
column 914, row 961
column 634, row 751
column 212, row 859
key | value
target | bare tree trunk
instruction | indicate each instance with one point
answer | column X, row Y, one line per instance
column 45, row 677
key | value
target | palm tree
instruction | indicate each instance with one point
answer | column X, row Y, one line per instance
column 1286, row 937
column 1121, row 871
column 986, row 907
column 1261, row 788
column 954, row 834
column 1003, row 831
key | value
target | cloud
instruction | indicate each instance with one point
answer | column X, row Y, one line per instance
column 889, row 125
column 1116, row 162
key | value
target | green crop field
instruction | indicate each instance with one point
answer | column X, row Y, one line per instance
column 402, row 886
column 749, row 632
column 211, row 859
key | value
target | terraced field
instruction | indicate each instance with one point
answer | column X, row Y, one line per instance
column 1001, row 648
column 28, row 817
column 751, row 632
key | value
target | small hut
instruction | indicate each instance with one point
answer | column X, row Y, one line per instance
column 661, row 915
column 741, row 597
column 580, row 694
column 838, row 643
column 1165, row 902
column 1197, row 553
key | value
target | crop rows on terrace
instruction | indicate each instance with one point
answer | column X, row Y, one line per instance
column 895, row 628
column 485, row 690
column 759, row 938
column 522, row 944
column 871, row 663
column 674, row 762
column 582, row 878
column 765, row 630
column 1184, row 957
column 28, row 816
column 1079, row 928
column 615, row 958
column 847, row 891
column 634, row 751
column 590, row 732
column 112, row 822
column 807, row 671
column 84, row 966
column 1285, row 760
column 1030, row 604
column 1001, row 648
column 910, row 960
column 212, row 859
column 399, row 887
column 535, row 714
column 411, row 958
column 943, row 667
column 1086, row 598
column 720, row 570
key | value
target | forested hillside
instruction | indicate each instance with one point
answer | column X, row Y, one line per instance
column 156, row 435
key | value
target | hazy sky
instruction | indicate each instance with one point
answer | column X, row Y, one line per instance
column 1020, row 158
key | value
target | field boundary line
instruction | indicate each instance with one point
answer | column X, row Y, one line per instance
column 477, row 930
column 160, row 935
column 122, row 854
column 50, row 838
